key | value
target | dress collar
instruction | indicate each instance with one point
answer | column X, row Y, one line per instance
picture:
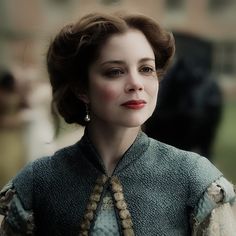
column 136, row 150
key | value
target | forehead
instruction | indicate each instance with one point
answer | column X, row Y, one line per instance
column 125, row 46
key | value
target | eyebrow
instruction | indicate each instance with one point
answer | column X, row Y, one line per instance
column 112, row 62
column 147, row 59
column 122, row 62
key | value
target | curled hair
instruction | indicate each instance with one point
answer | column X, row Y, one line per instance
column 78, row 45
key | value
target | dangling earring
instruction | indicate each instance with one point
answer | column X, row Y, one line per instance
column 87, row 116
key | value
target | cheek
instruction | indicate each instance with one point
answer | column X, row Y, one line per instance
column 153, row 89
column 157, row 89
column 107, row 93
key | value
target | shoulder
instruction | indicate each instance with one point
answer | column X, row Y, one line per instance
column 189, row 167
column 41, row 171
column 44, row 164
column 179, row 158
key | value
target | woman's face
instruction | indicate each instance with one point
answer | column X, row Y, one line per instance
column 123, row 84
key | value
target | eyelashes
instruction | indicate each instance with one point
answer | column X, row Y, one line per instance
column 148, row 70
column 119, row 72
column 114, row 72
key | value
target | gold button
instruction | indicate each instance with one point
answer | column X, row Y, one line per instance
column 92, row 206
column 83, row 233
column 102, row 180
column 95, row 197
column 85, row 225
column 119, row 196
column 88, row 215
column 97, row 189
column 127, row 223
column 116, row 187
column 115, row 180
column 121, row 205
column 128, row 232
column 124, row 214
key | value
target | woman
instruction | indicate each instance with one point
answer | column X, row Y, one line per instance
column 104, row 73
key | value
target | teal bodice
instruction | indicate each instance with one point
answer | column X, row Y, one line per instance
column 160, row 186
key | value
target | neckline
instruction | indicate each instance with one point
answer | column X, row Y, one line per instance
column 136, row 150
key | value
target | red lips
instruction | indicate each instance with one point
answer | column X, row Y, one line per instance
column 134, row 104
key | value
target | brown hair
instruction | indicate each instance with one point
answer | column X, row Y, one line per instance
column 77, row 46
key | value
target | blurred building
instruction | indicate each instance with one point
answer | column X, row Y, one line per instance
column 26, row 26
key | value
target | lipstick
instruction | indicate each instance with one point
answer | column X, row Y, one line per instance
column 134, row 104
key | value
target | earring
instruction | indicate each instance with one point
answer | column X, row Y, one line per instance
column 87, row 116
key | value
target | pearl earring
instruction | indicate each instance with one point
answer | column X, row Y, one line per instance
column 87, row 116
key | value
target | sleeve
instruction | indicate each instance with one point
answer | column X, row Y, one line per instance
column 16, row 206
column 215, row 214
column 201, row 174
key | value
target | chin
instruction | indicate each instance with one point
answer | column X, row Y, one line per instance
column 134, row 123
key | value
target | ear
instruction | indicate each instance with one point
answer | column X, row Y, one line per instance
column 83, row 97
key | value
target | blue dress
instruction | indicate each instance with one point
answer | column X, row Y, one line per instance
column 155, row 189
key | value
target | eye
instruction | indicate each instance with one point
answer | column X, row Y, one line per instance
column 114, row 72
column 147, row 70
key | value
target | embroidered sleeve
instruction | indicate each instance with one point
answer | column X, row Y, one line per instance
column 17, row 221
column 214, row 214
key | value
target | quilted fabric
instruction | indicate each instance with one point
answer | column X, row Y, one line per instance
column 161, row 184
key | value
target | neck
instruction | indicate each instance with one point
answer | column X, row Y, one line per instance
column 111, row 143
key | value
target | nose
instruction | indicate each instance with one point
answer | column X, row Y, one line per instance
column 134, row 83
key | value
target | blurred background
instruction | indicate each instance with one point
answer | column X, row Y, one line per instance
column 205, row 36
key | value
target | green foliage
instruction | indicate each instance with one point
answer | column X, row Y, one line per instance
column 225, row 145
